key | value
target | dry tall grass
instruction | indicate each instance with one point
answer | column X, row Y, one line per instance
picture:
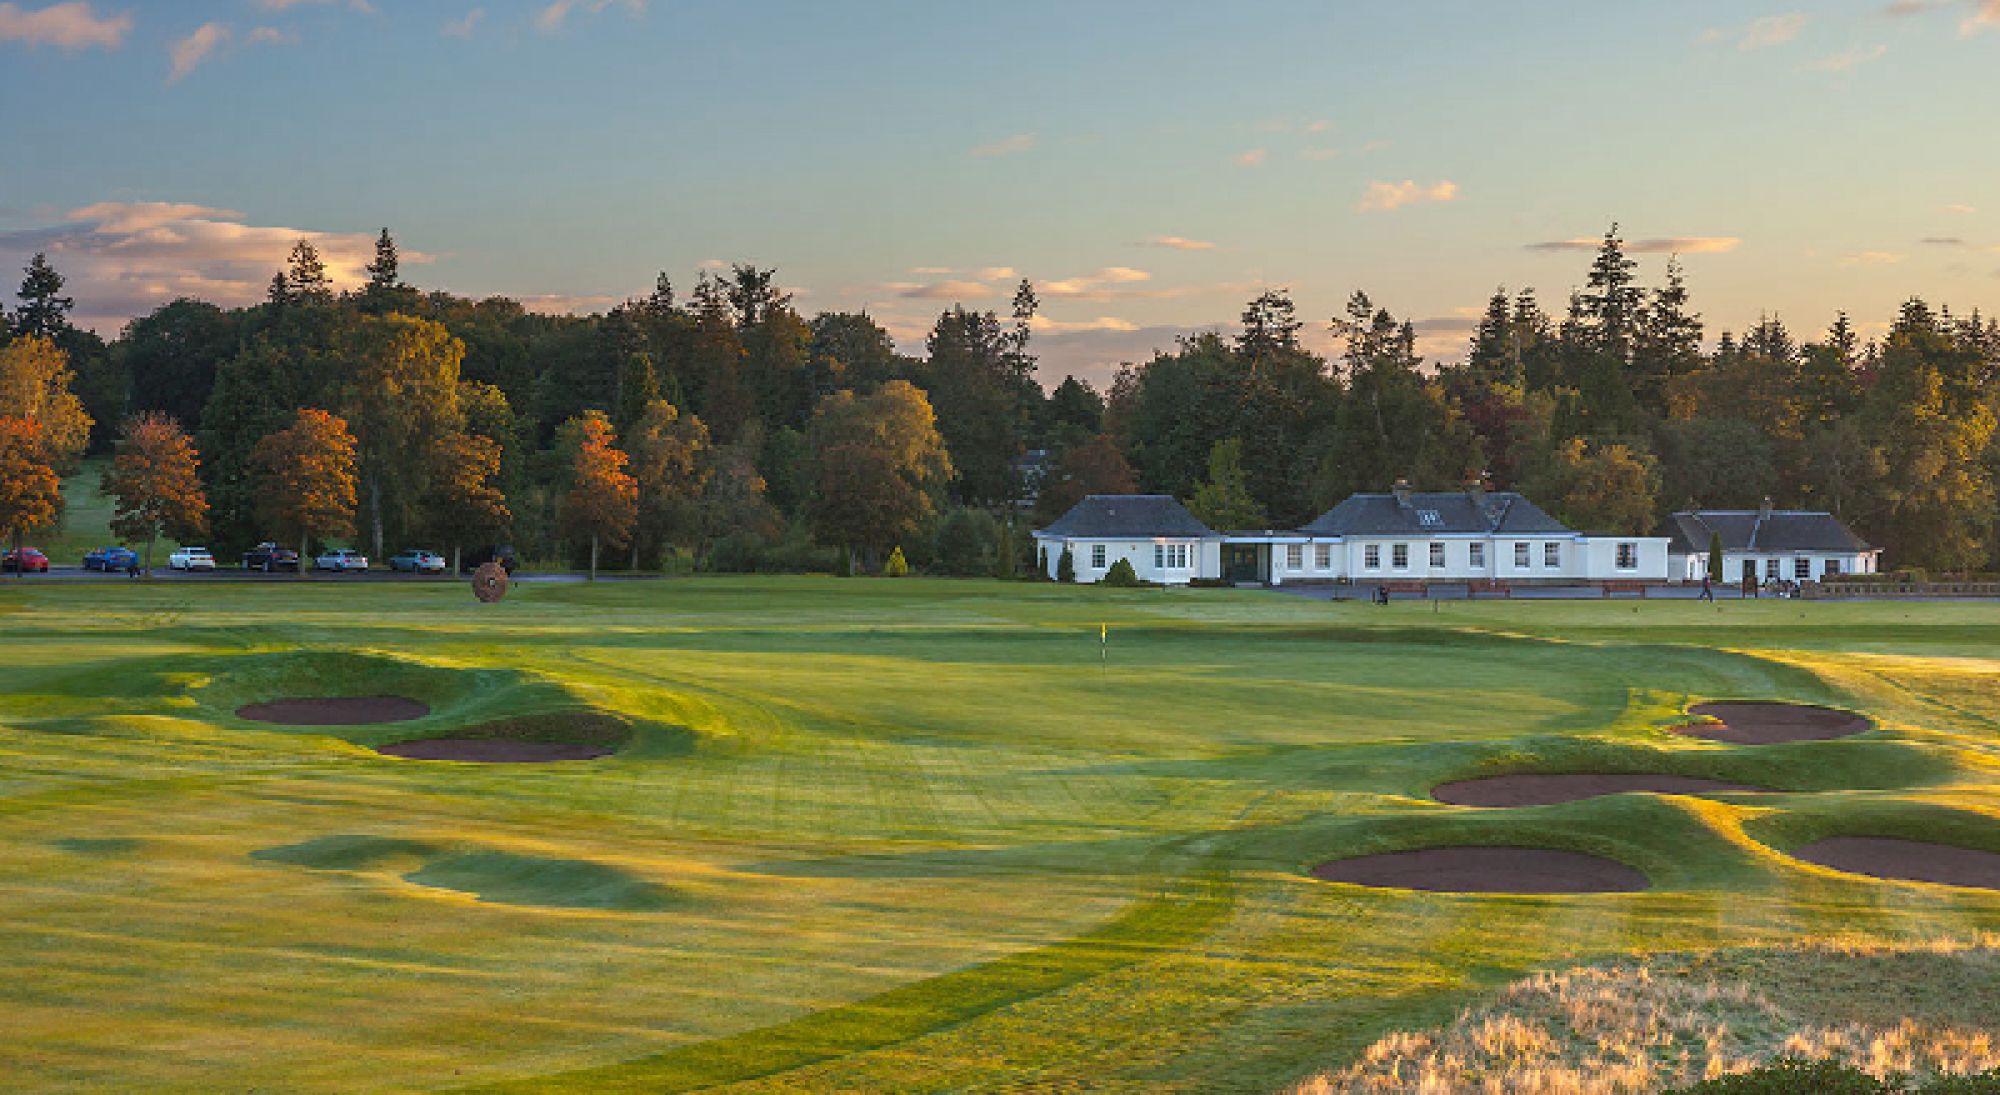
column 1639, row 1026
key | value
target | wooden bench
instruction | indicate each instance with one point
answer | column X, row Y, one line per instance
column 1421, row 588
column 1610, row 588
column 1488, row 585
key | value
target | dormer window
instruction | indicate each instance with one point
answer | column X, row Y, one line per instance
column 1430, row 518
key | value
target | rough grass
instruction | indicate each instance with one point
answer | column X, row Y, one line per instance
column 903, row 836
column 1637, row 1026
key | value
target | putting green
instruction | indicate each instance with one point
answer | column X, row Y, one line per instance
column 902, row 836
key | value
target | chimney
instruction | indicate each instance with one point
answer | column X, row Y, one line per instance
column 1475, row 487
column 1764, row 514
column 1402, row 492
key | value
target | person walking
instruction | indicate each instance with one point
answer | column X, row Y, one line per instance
column 1707, row 589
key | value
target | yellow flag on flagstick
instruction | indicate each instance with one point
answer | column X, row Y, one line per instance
column 1103, row 633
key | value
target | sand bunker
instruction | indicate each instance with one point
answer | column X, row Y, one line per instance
column 1906, row 860
column 493, row 750
column 1547, row 790
column 335, row 710
column 1486, row 870
column 1746, row 723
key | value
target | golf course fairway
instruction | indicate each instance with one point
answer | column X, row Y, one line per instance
column 812, row 834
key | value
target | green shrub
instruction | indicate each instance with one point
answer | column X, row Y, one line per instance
column 965, row 543
column 1792, row 1076
column 1066, row 566
column 897, row 566
column 1121, row 575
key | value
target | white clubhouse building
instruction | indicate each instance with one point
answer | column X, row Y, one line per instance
column 1768, row 544
column 1451, row 537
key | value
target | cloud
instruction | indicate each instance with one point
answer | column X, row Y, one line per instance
column 1984, row 14
column 954, row 290
column 563, row 304
column 1850, row 60
column 1943, row 241
column 463, row 27
column 70, row 26
column 1097, row 286
column 1006, row 146
column 1962, row 210
column 928, row 271
column 124, row 259
column 550, row 19
column 1177, row 243
column 1669, row 245
column 271, row 36
column 1764, row 33
column 286, row 5
column 190, row 52
column 1385, row 196
column 1041, row 324
column 999, row 273
column 1253, row 158
column 1871, row 258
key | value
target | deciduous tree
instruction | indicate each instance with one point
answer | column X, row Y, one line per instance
column 878, row 464
column 1223, row 501
column 305, row 476
column 155, row 484
column 464, row 500
column 35, row 386
column 30, row 490
column 602, row 502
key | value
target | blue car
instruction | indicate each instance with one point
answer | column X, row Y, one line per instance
column 111, row 559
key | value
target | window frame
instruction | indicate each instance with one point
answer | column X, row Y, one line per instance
column 1371, row 556
column 1295, row 557
column 1523, row 555
column 1399, row 556
column 1100, row 556
column 1475, row 553
column 1802, row 569
column 1322, row 556
column 1628, row 555
column 1552, row 555
column 1438, row 556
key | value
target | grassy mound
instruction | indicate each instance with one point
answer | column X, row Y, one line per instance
column 503, row 878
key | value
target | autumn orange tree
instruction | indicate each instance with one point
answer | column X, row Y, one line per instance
column 463, row 499
column 30, row 491
column 35, row 380
column 603, row 499
column 305, row 476
column 154, row 483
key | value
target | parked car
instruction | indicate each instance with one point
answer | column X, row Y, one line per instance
column 341, row 559
column 417, row 562
column 111, row 558
column 498, row 553
column 26, row 560
column 191, row 559
column 268, row 556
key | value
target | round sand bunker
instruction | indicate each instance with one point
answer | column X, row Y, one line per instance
column 492, row 750
column 1547, row 790
column 335, row 710
column 1486, row 870
column 1906, row 860
column 1750, row 723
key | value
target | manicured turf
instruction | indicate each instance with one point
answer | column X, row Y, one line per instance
column 900, row 836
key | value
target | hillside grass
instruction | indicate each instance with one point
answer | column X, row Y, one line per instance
column 901, row 836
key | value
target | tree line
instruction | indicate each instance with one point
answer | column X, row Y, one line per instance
column 728, row 429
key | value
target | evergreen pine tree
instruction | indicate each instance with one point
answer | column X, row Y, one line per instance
column 44, row 310
column 306, row 279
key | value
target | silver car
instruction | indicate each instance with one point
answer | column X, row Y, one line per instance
column 342, row 559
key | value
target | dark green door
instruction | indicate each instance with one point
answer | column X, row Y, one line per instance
column 1243, row 563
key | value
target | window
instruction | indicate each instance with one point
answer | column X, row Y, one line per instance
column 1521, row 556
column 1628, row 556
column 1770, row 568
column 1323, row 556
column 1159, row 556
column 1802, row 568
column 1477, row 551
column 1437, row 556
column 1399, row 556
column 1170, row 556
column 1371, row 556
column 1097, row 556
column 1831, row 569
column 1430, row 518
column 1552, row 555
column 1295, row 557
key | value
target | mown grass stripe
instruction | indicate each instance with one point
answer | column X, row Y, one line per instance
column 1178, row 917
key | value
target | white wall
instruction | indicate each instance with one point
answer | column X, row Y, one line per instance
column 1692, row 567
column 1204, row 559
column 1601, row 559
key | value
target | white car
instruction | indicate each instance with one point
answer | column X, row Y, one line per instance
column 191, row 558
column 343, row 559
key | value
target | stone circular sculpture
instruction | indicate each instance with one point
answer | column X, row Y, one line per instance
column 489, row 582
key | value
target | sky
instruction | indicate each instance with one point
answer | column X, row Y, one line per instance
column 1149, row 166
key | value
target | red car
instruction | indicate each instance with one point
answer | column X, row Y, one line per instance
column 26, row 559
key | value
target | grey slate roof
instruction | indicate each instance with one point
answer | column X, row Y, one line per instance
column 1431, row 512
column 1752, row 530
column 1128, row 517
